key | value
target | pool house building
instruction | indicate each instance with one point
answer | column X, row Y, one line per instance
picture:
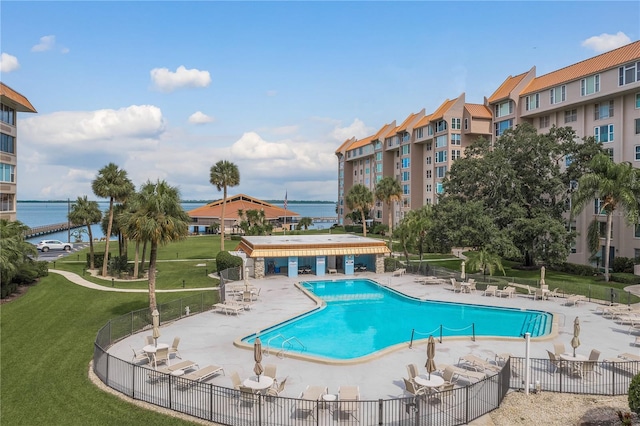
column 294, row 255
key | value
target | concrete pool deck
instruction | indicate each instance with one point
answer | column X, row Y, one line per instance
column 208, row 338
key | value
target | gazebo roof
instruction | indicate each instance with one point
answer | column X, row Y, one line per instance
column 243, row 202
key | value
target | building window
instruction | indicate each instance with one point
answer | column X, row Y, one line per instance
column 378, row 145
column 557, row 94
column 427, row 201
column 629, row 73
column 503, row 108
column 637, row 126
column 590, row 85
column 366, row 171
column 532, row 102
column 427, row 146
column 419, row 133
column 637, row 100
column 455, row 154
column 501, row 126
column 455, row 123
column 428, row 174
column 609, row 152
column 406, row 137
column 7, row 173
column 570, row 115
column 441, row 126
column 405, row 189
column 378, row 156
column 637, row 152
column 439, row 188
column 441, row 157
column 429, row 130
column 604, row 133
column 428, row 188
column 427, row 160
column 7, row 202
column 544, row 121
column 603, row 110
column 8, row 144
column 378, row 168
column 455, row 139
column 406, row 149
column 7, row 114
column 441, row 172
column 597, row 206
column 441, row 141
column 406, row 163
column 466, row 124
column 405, row 176
column 637, row 234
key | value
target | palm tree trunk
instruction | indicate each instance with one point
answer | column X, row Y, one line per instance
column 106, row 244
column 152, row 275
column 224, row 205
column 607, row 246
column 144, row 255
column 135, row 262
column 364, row 224
column 390, row 214
column 92, row 264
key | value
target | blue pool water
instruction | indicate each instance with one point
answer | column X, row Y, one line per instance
column 362, row 317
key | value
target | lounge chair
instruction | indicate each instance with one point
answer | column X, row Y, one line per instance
column 174, row 347
column 201, row 375
column 348, row 397
column 182, row 365
column 574, row 299
column 462, row 373
column 476, row 363
column 228, row 308
column 398, row 272
column 308, row 400
column 508, row 291
column 555, row 293
column 491, row 290
column 629, row 357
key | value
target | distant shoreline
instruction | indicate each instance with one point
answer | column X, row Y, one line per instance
column 191, row 201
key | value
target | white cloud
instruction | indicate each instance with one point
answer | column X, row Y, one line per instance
column 168, row 81
column 105, row 130
column 8, row 63
column 356, row 129
column 199, row 117
column 605, row 42
column 252, row 146
column 46, row 43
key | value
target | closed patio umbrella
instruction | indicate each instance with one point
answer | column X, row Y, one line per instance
column 257, row 356
column 542, row 271
column 431, row 353
column 463, row 275
column 156, row 326
column 575, row 342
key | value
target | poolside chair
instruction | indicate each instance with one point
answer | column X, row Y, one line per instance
column 161, row 356
column 471, row 288
column 414, row 390
column 554, row 361
column 139, row 355
column 235, row 380
column 308, row 400
column 348, row 397
column 444, row 394
column 270, row 371
column 491, row 290
column 148, row 340
column 476, row 363
column 555, row 293
column 508, row 291
column 182, row 365
column 558, row 348
column 457, row 287
column 540, row 293
column 200, row 375
column 461, row 373
column 174, row 347
column 449, row 376
column 273, row 392
column 574, row 299
column 412, row 369
column 247, row 398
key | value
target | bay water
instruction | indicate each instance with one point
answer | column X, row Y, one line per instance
column 35, row 213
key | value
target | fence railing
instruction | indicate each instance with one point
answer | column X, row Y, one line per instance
column 230, row 407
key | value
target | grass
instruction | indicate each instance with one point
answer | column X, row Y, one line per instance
column 47, row 342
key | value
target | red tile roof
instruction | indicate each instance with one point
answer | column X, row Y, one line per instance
column 23, row 104
column 506, row 87
column 478, row 111
column 442, row 109
column 239, row 202
column 603, row 62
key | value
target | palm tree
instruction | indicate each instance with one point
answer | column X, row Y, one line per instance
column 618, row 187
column 14, row 250
column 84, row 212
column 485, row 261
column 388, row 190
column 112, row 183
column 360, row 198
column 305, row 222
column 223, row 175
column 159, row 219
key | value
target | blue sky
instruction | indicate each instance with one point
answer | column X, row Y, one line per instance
column 167, row 89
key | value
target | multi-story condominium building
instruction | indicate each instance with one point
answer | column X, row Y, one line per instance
column 10, row 103
column 597, row 97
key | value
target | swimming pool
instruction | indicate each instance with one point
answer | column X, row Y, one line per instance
column 362, row 317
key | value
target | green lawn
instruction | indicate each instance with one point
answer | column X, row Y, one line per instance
column 46, row 341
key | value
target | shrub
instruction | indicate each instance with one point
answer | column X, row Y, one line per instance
column 634, row 394
column 225, row 260
column 98, row 259
column 575, row 269
column 380, row 229
column 119, row 264
column 391, row 264
column 623, row 264
column 625, row 278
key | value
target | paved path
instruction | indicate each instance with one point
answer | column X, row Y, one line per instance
column 77, row 279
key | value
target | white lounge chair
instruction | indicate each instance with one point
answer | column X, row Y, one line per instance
column 574, row 299
column 228, row 308
column 348, row 397
column 476, row 363
column 200, row 375
column 491, row 290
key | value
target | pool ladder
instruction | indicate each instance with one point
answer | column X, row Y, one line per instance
column 287, row 343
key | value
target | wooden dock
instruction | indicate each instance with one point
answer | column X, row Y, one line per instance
column 50, row 229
